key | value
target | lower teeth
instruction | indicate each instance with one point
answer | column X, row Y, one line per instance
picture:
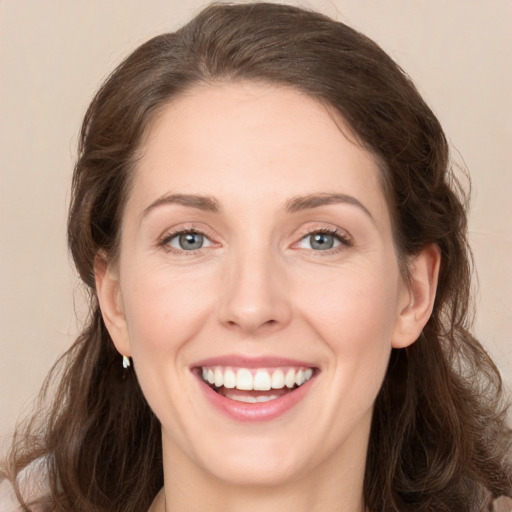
column 253, row 399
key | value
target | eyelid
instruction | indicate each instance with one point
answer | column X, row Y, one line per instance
column 170, row 240
column 170, row 233
column 341, row 235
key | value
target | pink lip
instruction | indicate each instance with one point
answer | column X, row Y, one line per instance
column 251, row 362
column 263, row 411
column 253, row 412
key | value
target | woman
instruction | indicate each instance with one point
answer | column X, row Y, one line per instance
column 275, row 246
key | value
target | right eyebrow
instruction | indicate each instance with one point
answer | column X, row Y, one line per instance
column 205, row 203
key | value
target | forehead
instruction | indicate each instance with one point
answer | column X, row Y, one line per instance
column 253, row 141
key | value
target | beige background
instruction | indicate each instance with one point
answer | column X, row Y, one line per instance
column 53, row 55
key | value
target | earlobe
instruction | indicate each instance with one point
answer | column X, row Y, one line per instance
column 417, row 303
column 108, row 291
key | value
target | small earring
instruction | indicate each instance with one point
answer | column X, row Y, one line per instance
column 126, row 362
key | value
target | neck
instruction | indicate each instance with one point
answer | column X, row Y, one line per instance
column 256, row 500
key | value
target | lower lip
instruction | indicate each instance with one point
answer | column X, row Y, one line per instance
column 253, row 412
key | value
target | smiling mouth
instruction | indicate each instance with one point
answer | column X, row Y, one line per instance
column 255, row 385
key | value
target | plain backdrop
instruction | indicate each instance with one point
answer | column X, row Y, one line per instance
column 55, row 53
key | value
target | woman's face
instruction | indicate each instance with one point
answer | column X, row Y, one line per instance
column 256, row 251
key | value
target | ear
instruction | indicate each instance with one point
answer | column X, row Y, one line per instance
column 417, row 299
column 108, row 291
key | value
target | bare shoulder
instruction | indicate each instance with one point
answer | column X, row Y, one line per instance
column 33, row 484
column 8, row 500
column 501, row 504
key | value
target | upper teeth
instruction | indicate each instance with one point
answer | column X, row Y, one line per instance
column 261, row 379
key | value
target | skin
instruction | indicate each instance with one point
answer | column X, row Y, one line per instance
column 259, row 288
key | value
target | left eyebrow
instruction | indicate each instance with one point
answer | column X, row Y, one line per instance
column 299, row 203
column 205, row 203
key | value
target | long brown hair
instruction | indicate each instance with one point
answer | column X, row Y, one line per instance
column 439, row 440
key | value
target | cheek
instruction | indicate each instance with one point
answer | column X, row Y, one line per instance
column 355, row 308
column 354, row 314
column 164, row 309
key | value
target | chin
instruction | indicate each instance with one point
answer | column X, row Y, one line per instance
column 258, row 462
column 265, row 472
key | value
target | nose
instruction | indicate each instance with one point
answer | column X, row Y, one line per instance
column 254, row 298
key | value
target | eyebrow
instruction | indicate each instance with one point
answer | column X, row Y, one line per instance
column 293, row 205
column 205, row 203
column 300, row 203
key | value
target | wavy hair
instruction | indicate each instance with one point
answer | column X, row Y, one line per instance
column 439, row 439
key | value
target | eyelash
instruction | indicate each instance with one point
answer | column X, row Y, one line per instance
column 342, row 237
column 164, row 242
column 344, row 240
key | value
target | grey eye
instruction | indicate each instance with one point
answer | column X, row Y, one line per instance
column 320, row 241
column 189, row 241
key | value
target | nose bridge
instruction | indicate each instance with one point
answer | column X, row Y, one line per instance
column 254, row 297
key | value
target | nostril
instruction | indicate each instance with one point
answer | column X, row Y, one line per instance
column 267, row 323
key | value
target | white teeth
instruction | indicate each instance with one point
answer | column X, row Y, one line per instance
column 278, row 379
column 289, row 380
column 247, row 399
column 264, row 398
column 261, row 379
column 254, row 399
column 229, row 379
column 244, row 379
column 219, row 377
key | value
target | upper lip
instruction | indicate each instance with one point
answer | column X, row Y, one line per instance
column 241, row 361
